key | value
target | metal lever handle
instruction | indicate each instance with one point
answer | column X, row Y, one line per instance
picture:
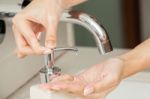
column 49, row 59
column 50, row 68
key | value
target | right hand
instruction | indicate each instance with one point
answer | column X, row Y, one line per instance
column 28, row 24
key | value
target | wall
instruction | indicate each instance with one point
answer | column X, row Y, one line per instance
column 109, row 14
column 145, row 18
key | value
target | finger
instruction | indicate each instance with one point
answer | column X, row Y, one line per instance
column 71, row 87
column 57, row 79
column 51, row 29
column 63, row 77
column 22, row 48
column 25, row 29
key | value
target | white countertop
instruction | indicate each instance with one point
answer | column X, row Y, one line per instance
column 78, row 62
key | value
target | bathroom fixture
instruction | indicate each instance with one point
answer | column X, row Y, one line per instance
column 91, row 24
column 50, row 69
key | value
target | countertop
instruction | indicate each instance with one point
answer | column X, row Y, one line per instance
column 78, row 62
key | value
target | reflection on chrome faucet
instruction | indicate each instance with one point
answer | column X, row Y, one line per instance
column 92, row 25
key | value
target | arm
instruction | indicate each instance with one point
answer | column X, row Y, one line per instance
column 137, row 59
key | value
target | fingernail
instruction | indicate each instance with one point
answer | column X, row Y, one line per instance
column 88, row 91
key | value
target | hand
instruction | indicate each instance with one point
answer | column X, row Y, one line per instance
column 36, row 18
column 94, row 83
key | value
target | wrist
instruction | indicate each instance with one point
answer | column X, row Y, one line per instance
column 129, row 65
column 124, row 72
column 123, row 64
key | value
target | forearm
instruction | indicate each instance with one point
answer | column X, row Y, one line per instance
column 137, row 59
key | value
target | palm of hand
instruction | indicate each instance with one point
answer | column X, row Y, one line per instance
column 94, row 83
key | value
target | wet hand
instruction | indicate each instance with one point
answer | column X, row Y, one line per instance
column 94, row 83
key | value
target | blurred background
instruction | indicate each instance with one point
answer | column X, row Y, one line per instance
column 127, row 21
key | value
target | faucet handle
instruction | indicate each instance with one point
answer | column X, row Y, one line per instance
column 66, row 49
column 49, row 59
column 50, row 70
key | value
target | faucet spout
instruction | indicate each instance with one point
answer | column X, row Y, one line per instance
column 91, row 24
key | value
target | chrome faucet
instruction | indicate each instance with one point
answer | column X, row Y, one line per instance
column 90, row 23
column 50, row 70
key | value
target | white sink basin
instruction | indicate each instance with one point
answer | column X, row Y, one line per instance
column 137, row 87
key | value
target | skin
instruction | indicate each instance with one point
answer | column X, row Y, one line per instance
column 95, row 82
column 36, row 18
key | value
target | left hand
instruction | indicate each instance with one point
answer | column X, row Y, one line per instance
column 94, row 83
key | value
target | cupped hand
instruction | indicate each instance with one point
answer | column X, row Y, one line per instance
column 36, row 18
column 94, row 83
